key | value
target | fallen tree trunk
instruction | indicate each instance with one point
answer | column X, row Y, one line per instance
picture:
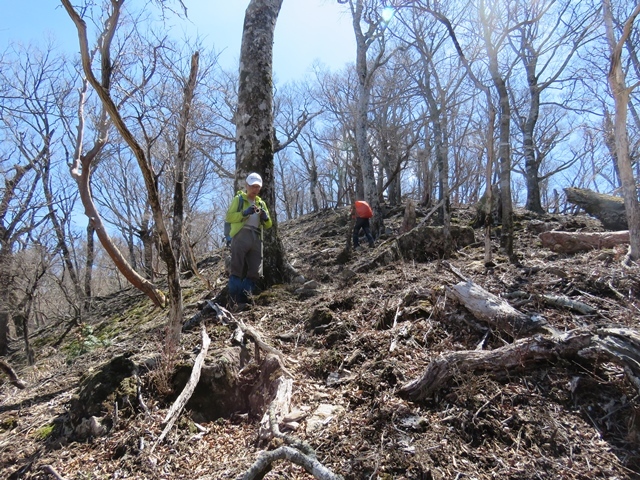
column 606, row 208
column 572, row 242
column 493, row 310
column 617, row 345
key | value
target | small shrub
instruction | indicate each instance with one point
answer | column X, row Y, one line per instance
column 44, row 432
column 84, row 342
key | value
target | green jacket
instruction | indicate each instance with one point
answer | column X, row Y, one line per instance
column 235, row 218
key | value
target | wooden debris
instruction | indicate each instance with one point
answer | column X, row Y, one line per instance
column 572, row 242
column 555, row 301
column 283, row 391
column 262, row 466
column 621, row 346
column 49, row 470
column 13, row 376
column 185, row 395
column 493, row 310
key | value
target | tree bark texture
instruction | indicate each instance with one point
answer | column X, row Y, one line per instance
column 254, row 122
column 621, row 95
column 608, row 209
column 493, row 310
column 621, row 346
column 572, row 242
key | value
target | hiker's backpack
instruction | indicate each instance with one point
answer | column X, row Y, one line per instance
column 363, row 210
column 227, row 225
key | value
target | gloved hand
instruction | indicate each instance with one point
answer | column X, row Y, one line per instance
column 249, row 211
column 263, row 216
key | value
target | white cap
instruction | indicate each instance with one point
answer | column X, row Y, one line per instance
column 254, row 179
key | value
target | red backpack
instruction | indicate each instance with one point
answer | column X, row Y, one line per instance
column 363, row 210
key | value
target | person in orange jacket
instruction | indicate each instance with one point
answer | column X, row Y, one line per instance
column 362, row 214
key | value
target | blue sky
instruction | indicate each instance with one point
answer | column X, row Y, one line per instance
column 307, row 30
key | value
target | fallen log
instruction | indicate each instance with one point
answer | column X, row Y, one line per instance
column 606, row 208
column 572, row 242
column 554, row 301
column 493, row 310
column 617, row 345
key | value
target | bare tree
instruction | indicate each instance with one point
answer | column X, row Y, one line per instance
column 368, row 28
column 621, row 93
column 490, row 123
column 170, row 243
column 545, row 50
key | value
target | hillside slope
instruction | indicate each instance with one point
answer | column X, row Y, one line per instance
column 370, row 325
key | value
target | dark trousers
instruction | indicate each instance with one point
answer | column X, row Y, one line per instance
column 245, row 268
column 246, row 253
column 362, row 224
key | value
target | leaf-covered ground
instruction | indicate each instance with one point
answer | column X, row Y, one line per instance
column 369, row 327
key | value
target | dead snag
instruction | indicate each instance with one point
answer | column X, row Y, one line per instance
column 493, row 310
column 185, row 395
column 13, row 376
column 572, row 242
column 618, row 345
column 273, row 388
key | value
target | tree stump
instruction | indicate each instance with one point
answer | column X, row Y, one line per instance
column 425, row 243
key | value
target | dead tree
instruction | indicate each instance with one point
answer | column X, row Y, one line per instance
column 617, row 345
column 493, row 310
column 572, row 242
column 606, row 208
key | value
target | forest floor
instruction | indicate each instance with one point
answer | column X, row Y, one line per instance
column 351, row 343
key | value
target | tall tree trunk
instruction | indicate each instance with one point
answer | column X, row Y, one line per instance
column 88, row 273
column 5, row 305
column 621, row 94
column 531, row 163
column 365, row 78
column 364, row 73
column 59, row 231
column 504, row 149
column 254, row 123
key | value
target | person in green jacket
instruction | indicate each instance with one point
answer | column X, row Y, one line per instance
column 247, row 215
